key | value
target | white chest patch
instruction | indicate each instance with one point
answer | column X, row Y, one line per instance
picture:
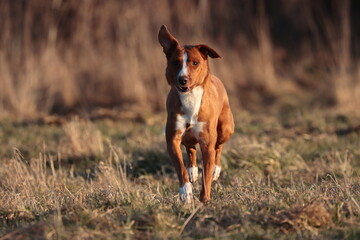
column 190, row 105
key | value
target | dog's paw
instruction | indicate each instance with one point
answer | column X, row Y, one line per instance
column 186, row 193
column 193, row 174
column 216, row 173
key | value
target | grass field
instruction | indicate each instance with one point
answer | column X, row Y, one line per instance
column 288, row 176
column 291, row 172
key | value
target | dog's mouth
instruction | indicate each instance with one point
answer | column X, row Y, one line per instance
column 183, row 89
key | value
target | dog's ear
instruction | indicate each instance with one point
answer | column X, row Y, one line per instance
column 167, row 41
column 206, row 51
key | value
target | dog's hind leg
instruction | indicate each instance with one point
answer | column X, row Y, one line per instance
column 192, row 169
column 217, row 167
column 225, row 129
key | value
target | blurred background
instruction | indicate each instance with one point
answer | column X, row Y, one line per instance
column 78, row 56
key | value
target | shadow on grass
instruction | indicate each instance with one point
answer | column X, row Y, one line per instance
column 152, row 162
column 143, row 162
column 84, row 166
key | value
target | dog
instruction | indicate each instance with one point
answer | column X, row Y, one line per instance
column 198, row 112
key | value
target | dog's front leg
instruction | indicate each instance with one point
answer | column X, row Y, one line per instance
column 174, row 150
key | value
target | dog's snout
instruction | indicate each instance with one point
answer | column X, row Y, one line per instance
column 183, row 80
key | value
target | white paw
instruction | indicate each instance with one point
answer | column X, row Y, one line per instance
column 216, row 173
column 193, row 174
column 186, row 194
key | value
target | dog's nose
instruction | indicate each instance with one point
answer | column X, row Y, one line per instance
column 183, row 80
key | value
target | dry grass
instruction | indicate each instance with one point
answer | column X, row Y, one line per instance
column 284, row 177
column 291, row 174
column 83, row 138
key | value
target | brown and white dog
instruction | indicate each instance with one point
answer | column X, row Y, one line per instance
column 198, row 112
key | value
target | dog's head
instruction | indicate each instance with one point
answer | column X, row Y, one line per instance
column 187, row 66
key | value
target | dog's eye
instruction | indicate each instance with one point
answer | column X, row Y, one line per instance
column 195, row 63
column 175, row 63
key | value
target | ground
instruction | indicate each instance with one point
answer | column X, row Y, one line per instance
column 292, row 175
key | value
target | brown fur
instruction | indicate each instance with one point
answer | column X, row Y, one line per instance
column 214, row 110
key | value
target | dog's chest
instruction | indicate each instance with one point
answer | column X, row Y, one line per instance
column 190, row 106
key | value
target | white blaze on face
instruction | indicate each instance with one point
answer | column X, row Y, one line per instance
column 183, row 72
